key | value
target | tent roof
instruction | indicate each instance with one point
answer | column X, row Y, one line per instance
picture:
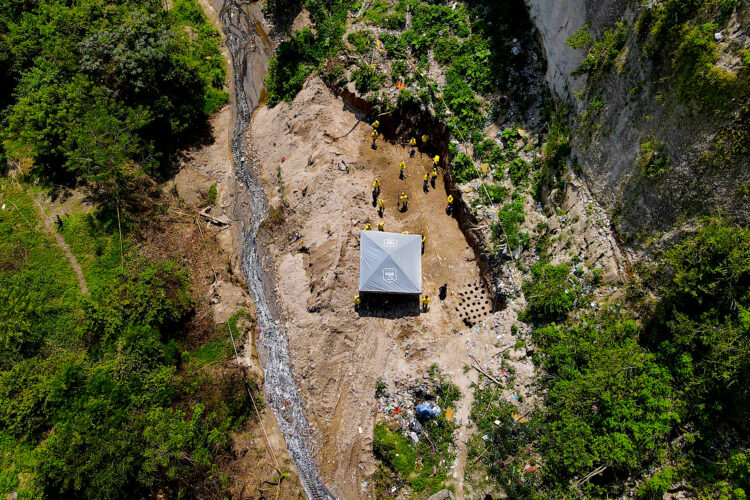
column 390, row 262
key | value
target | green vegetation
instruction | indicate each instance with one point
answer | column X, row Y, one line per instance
column 622, row 397
column 474, row 52
column 363, row 41
column 581, row 38
column 555, row 153
column 679, row 37
column 383, row 16
column 102, row 92
column 297, row 57
column 701, row 326
column 551, row 293
column 464, row 168
column 597, row 415
column 519, row 170
column 112, row 394
column 497, row 194
column 508, row 228
column 211, row 195
column 652, row 162
column 503, row 447
column 103, row 395
column 424, row 465
column 603, row 52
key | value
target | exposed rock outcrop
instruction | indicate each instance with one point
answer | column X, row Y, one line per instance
column 635, row 103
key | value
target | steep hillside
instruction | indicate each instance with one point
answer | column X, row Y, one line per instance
column 658, row 93
column 597, row 156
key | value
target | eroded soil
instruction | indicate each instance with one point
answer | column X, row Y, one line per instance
column 318, row 164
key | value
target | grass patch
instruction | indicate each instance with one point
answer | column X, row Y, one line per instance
column 96, row 248
column 16, row 462
column 39, row 292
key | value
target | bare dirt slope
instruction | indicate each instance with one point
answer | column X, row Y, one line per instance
column 316, row 159
column 258, row 447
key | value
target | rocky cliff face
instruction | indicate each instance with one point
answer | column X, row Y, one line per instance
column 629, row 118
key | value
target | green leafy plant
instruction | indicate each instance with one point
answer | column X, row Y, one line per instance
column 550, row 294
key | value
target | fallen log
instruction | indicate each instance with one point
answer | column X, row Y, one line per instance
column 221, row 220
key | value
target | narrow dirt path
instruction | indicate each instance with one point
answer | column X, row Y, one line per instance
column 71, row 258
column 49, row 228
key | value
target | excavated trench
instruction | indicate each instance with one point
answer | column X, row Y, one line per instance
column 250, row 50
column 413, row 121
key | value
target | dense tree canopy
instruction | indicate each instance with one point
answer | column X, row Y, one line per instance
column 93, row 87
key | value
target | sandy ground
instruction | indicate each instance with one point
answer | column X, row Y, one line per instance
column 316, row 160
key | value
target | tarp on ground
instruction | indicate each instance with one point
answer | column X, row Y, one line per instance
column 390, row 262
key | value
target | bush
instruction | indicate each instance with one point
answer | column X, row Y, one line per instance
column 395, row 450
column 701, row 326
column 362, row 40
column 658, row 484
column 603, row 52
column 367, row 79
column 609, row 402
column 497, row 194
column 550, row 294
column 519, row 170
column 580, row 38
column 507, row 229
column 211, row 195
column 464, row 169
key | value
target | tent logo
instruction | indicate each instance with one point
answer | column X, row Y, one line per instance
column 390, row 242
column 390, row 275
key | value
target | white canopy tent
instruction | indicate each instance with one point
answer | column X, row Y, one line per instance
column 390, row 262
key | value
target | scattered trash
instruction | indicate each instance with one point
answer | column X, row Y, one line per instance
column 427, row 410
column 449, row 413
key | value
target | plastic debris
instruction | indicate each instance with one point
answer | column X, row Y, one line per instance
column 427, row 410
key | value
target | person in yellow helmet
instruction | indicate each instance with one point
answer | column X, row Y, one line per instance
column 425, row 186
column 436, row 160
column 423, row 242
column 374, row 136
column 450, row 199
column 357, row 302
column 449, row 209
column 433, row 176
column 425, row 303
column 375, row 191
column 403, row 200
column 381, row 206
column 380, row 226
column 367, row 227
column 413, row 144
column 425, row 138
column 401, row 168
column 375, row 124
